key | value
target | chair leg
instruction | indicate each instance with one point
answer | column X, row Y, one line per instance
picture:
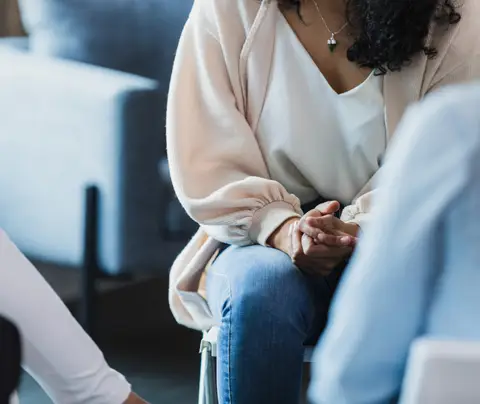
column 90, row 260
column 207, row 392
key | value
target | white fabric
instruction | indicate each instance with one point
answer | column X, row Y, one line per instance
column 56, row 351
column 345, row 133
column 442, row 372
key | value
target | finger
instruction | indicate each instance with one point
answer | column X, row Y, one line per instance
column 331, row 240
column 312, row 213
column 325, row 222
column 322, row 251
column 328, row 208
column 333, row 225
column 307, row 243
column 290, row 240
column 306, row 228
column 296, row 242
column 329, row 225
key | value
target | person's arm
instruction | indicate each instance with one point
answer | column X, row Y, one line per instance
column 382, row 301
column 217, row 167
column 56, row 350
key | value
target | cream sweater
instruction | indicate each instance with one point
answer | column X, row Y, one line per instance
column 218, row 88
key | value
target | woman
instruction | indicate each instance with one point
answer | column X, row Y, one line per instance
column 421, row 277
column 56, row 350
column 275, row 106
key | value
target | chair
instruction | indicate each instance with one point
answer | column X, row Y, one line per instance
column 207, row 392
column 442, row 372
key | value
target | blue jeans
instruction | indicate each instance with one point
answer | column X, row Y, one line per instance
column 268, row 312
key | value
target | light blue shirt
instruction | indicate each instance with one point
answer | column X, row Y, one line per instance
column 417, row 268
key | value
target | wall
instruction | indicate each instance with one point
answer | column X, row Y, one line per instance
column 10, row 24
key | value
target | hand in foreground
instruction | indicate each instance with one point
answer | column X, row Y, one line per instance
column 319, row 255
column 324, row 228
column 313, row 257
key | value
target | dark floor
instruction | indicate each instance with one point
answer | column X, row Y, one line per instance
column 141, row 340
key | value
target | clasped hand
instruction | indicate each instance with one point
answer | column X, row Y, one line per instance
column 318, row 242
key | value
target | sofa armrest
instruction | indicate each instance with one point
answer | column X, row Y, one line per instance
column 64, row 125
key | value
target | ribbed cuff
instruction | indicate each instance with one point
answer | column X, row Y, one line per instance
column 267, row 219
column 351, row 214
column 360, row 219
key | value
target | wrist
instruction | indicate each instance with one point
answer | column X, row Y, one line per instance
column 280, row 238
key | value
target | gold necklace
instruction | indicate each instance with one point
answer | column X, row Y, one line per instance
column 332, row 42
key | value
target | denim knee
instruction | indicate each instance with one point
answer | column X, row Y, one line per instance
column 255, row 284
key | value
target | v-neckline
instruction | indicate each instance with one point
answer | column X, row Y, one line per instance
column 295, row 37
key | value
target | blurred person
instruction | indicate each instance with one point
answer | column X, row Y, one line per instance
column 276, row 106
column 416, row 270
column 55, row 349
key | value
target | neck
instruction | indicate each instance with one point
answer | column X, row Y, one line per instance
column 331, row 7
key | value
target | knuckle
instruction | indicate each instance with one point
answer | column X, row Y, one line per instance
column 313, row 213
column 328, row 219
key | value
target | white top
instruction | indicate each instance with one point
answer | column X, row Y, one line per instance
column 345, row 134
column 217, row 93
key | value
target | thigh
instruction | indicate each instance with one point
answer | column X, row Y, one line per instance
column 267, row 277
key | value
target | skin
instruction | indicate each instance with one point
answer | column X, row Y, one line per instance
column 318, row 241
column 134, row 399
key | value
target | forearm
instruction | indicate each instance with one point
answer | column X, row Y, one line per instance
column 57, row 351
column 280, row 238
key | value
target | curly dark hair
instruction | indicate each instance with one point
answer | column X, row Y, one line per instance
column 388, row 33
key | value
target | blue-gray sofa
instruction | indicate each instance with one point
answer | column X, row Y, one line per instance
column 82, row 104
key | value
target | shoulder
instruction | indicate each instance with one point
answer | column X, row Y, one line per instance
column 228, row 12
column 458, row 44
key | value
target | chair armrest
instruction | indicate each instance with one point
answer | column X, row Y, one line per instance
column 442, row 372
column 64, row 125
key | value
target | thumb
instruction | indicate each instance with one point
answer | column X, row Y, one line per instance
column 328, row 208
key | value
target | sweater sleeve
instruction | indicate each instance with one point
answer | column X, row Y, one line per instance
column 359, row 211
column 217, row 168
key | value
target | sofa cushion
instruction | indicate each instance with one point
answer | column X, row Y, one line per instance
column 136, row 36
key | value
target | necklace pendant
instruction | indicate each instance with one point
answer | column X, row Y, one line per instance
column 332, row 43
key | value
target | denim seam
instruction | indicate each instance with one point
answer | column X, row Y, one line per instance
column 229, row 334
column 229, row 342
